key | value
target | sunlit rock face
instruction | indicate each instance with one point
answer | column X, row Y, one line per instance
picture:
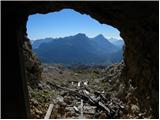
column 138, row 24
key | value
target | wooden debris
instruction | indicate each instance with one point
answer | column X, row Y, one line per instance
column 81, row 117
column 79, row 84
column 49, row 111
column 102, row 101
column 76, row 109
column 86, row 92
column 103, row 106
column 86, row 83
column 72, row 83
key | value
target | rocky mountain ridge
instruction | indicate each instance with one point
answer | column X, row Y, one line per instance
column 78, row 49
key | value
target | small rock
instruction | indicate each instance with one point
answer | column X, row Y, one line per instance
column 140, row 116
column 135, row 108
column 96, row 115
column 38, row 111
column 102, row 115
column 85, row 83
column 34, row 102
column 61, row 111
column 48, row 87
column 122, row 106
column 61, row 104
column 76, row 74
column 120, row 113
column 67, row 100
column 37, row 116
column 148, row 98
column 60, row 72
column 60, row 98
column 68, row 115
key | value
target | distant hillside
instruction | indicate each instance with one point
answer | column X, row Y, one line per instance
column 117, row 42
column 77, row 49
column 37, row 43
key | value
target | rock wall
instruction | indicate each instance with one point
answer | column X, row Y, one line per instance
column 138, row 24
column 33, row 68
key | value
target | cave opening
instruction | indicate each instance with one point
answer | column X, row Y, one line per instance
column 74, row 51
column 138, row 24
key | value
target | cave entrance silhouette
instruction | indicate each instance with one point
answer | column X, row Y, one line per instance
column 135, row 20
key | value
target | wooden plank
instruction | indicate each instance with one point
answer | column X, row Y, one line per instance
column 103, row 106
column 76, row 109
column 81, row 117
column 49, row 111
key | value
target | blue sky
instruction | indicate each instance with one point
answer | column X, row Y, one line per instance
column 65, row 23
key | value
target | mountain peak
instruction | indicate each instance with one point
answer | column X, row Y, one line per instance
column 81, row 34
column 100, row 36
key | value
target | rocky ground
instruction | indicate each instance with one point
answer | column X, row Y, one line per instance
column 84, row 92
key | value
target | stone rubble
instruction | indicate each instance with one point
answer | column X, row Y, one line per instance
column 105, row 86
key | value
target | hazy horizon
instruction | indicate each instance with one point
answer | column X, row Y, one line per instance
column 76, row 34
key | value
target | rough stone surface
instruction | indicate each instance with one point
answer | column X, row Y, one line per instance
column 33, row 67
column 138, row 24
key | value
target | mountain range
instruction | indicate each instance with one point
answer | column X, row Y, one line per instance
column 78, row 49
column 117, row 42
